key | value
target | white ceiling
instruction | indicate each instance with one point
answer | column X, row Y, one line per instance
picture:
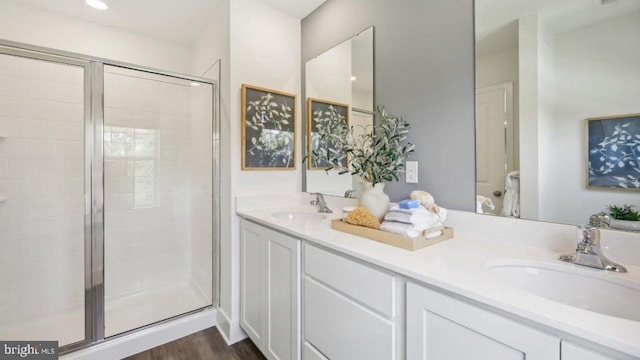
column 173, row 20
column 296, row 8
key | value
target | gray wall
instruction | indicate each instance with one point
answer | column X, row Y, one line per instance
column 423, row 72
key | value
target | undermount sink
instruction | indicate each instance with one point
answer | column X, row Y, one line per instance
column 582, row 288
column 301, row 216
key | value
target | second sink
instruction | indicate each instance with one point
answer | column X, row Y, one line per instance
column 581, row 288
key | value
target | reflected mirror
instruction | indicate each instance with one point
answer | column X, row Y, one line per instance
column 542, row 68
column 343, row 75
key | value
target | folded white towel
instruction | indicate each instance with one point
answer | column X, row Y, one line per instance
column 417, row 216
column 404, row 229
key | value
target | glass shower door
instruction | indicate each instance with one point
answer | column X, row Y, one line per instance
column 44, row 209
column 158, row 165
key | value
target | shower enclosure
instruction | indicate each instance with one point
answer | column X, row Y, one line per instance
column 108, row 195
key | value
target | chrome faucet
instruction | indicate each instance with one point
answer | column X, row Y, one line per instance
column 600, row 220
column 349, row 194
column 588, row 252
column 320, row 203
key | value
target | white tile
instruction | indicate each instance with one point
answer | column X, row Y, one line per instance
column 64, row 130
column 50, row 168
column 33, row 129
column 69, row 150
column 41, row 149
column 65, row 187
column 10, row 127
column 14, row 86
column 118, row 203
column 117, row 168
column 7, row 64
column 4, row 169
column 74, row 168
column 29, row 68
column 115, row 220
column 20, row 108
column 23, row 168
column 119, row 185
column 34, row 187
column 63, row 73
column 73, row 112
column 51, row 110
column 13, row 149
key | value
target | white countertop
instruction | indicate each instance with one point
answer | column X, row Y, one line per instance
column 459, row 266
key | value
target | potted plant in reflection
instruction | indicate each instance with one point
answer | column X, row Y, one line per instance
column 624, row 217
column 376, row 155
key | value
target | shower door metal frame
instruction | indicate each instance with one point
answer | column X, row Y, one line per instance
column 89, row 323
column 94, row 182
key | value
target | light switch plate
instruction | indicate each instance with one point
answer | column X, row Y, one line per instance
column 411, row 172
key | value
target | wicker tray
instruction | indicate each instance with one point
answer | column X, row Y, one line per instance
column 393, row 239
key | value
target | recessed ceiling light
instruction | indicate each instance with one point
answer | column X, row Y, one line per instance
column 353, row 78
column 195, row 84
column 97, row 4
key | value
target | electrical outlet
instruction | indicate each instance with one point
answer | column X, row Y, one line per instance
column 411, row 172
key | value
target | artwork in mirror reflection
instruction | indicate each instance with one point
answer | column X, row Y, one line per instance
column 614, row 152
column 268, row 129
column 342, row 75
column 542, row 68
column 325, row 119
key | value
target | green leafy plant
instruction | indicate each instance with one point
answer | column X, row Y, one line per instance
column 377, row 155
column 624, row 212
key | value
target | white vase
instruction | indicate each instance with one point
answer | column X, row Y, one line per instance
column 375, row 200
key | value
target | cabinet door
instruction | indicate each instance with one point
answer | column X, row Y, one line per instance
column 283, row 296
column 443, row 328
column 574, row 352
column 343, row 329
column 252, row 280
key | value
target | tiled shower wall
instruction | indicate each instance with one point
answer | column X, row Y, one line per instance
column 42, row 178
column 147, row 243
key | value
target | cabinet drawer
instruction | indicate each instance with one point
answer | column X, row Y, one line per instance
column 370, row 286
column 309, row 352
column 443, row 327
column 574, row 352
column 340, row 328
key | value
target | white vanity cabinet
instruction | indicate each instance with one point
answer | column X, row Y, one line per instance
column 270, row 290
column 440, row 327
column 572, row 351
column 351, row 310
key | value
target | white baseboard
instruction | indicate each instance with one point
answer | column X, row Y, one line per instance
column 230, row 330
column 146, row 339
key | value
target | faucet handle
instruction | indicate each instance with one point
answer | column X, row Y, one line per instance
column 588, row 235
column 600, row 220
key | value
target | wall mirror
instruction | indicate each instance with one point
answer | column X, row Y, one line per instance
column 542, row 68
column 341, row 75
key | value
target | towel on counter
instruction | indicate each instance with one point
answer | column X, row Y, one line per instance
column 410, row 230
column 416, row 216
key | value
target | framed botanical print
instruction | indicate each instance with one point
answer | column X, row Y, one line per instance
column 268, row 129
column 326, row 120
column 614, row 152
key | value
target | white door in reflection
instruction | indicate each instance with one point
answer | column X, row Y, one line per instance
column 494, row 142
